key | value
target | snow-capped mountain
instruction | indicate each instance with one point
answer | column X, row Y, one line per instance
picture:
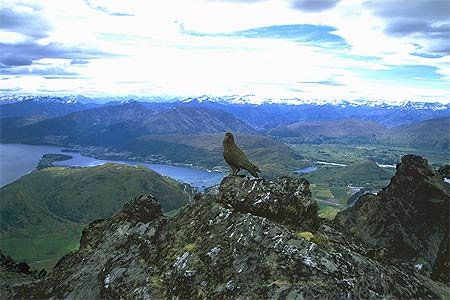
column 257, row 100
column 72, row 99
column 50, row 106
column 267, row 113
column 260, row 112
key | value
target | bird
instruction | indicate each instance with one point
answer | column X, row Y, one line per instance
column 235, row 158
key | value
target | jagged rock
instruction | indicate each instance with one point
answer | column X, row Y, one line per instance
column 12, row 273
column 142, row 209
column 213, row 250
column 445, row 171
column 408, row 219
column 284, row 200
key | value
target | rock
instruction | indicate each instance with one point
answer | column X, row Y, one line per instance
column 285, row 200
column 408, row 219
column 222, row 246
column 445, row 171
column 11, row 274
column 142, row 209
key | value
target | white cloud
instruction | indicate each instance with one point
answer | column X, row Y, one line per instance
column 154, row 55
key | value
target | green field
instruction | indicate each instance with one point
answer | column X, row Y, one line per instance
column 172, row 213
column 330, row 199
column 347, row 154
column 42, row 250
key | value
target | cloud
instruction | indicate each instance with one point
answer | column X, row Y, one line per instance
column 58, row 77
column 324, row 82
column 25, row 53
column 107, row 10
column 12, row 61
column 238, row 1
column 51, row 70
column 317, row 35
column 424, row 21
column 427, row 55
column 79, row 62
column 27, row 21
column 435, row 10
column 403, row 27
column 12, row 90
column 314, row 5
column 406, row 75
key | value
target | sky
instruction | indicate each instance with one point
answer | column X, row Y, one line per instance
column 390, row 50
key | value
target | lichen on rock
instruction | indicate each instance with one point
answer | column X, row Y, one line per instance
column 285, row 200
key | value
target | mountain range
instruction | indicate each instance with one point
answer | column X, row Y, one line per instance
column 41, row 105
column 114, row 124
column 179, row 131
column 262, row 114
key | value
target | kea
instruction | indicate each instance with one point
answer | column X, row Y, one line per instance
column 235, row 158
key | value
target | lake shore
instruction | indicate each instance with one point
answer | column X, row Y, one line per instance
column 20, row 159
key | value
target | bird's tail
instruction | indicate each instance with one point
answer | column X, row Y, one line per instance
column 254, row 170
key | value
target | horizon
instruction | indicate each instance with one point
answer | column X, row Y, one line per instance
column 230, row 99
column 328, row 50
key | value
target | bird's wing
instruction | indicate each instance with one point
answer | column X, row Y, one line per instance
column 238, row 155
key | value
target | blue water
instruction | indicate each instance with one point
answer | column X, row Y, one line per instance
column 17, row 160
column 306, row 170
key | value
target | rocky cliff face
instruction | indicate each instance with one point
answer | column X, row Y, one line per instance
column 12, row 274
column 408, row 220
column 254, row 239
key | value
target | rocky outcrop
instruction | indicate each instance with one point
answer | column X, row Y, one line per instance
column 445, row 171
column 223, row 246
column 408, row 220
column 12, row 273
column 285, row 200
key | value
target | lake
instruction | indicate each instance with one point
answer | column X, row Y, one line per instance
column 17, row 160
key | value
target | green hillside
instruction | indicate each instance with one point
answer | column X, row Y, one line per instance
column 330, row 131
column 42, row 213
column 360, row 173
column 431, row 135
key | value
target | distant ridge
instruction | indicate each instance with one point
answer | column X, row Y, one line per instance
column 331, row 130
column 42, row 106
column 195, row 120
column 116, row 124
column 431, row 134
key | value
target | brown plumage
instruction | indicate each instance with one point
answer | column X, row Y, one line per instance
column 235, row 158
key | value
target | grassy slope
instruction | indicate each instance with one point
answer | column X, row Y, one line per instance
column 359, row 173
column 431, row 135
column 43, row 212
column 340, row 131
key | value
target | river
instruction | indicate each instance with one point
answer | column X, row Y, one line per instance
column 17, row 160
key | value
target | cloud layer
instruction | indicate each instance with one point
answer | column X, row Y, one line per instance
column 314, row 5
column 328, row 49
